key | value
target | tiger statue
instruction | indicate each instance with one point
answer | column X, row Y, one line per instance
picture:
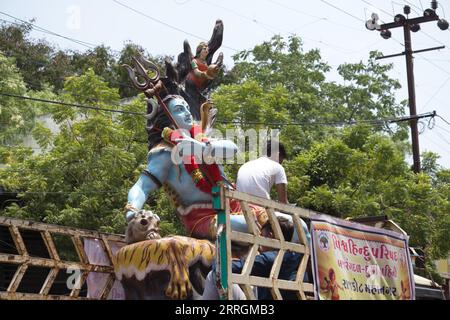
column 151, row 267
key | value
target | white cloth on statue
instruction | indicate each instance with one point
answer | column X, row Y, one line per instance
column 257, row 177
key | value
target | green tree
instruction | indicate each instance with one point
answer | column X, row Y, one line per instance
column 345, row 172
column 16, row 116
column 362, row 173
column 96, row 157
column 278, row 82
column 32, row 57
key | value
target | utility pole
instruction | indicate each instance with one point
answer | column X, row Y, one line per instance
column 408, row 26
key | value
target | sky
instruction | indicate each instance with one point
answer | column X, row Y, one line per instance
column 335, row 27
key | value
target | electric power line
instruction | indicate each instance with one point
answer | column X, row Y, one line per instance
column 80, row 42
column 37, row 62
column 443, row 138
column 443, row 119
column 70, row 104
column 343, row 11
column 336, row 123
column 423, row 32
column 326, row 19
column 412, row 5
column 166, row 24
column 442, row 148
column 259, row 23
column 442, row 128
column 294, row 9
column 435, row 93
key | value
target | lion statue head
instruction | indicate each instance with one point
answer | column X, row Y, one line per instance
column 144, row 226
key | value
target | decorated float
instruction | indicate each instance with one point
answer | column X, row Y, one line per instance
column 342, row 259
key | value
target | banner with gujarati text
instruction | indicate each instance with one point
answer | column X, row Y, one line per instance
column 352, row 261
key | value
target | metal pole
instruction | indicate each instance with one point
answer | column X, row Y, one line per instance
column 412, row 98
column 221, row 243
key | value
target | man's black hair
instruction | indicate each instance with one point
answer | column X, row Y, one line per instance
column 281, row 148
column 287, row 228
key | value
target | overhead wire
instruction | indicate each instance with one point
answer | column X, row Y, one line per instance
column 78, row 41
column 443, row 119
column 423, row 58
column 314, row 16
column 343, row 11
column 37, row 62
column 442, row 128
column 435, row 94
column 333, row 123
column 76, row 105
column 264, row 25
column 167, row 24
column 336, row 123
column 38, row 28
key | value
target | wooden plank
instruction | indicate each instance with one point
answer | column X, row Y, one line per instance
column 108, row 286
column 301, row 233
column 285, row 208
column 276, row 294
column 268, row 283
column 105, row 244
column 274, row 272
column 301, row 295
column 49, row 281
column 308, row 287
column 18, row 240
column 248, row 291
column 34, row 296
column 76, row 290
column 48, row 240
column 267, row 242
column 249, row 218
column 248, row 266
column 15, row 281
column 79, row 247
column 302, row 268
column 276, row 229
column 50, row 263
column 38, row 226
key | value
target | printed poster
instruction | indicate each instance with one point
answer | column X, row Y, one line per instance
column 352, row 261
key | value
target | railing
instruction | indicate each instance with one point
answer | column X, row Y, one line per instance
column 221, row 202
column 23, row 260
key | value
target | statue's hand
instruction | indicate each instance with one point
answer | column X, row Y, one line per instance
column 129, row 215
column 220, row 149
column 213, row 71
column 188, row 146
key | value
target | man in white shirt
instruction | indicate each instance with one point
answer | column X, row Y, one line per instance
column 257, row 177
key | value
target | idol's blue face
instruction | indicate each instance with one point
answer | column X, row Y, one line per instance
column 180, row 112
